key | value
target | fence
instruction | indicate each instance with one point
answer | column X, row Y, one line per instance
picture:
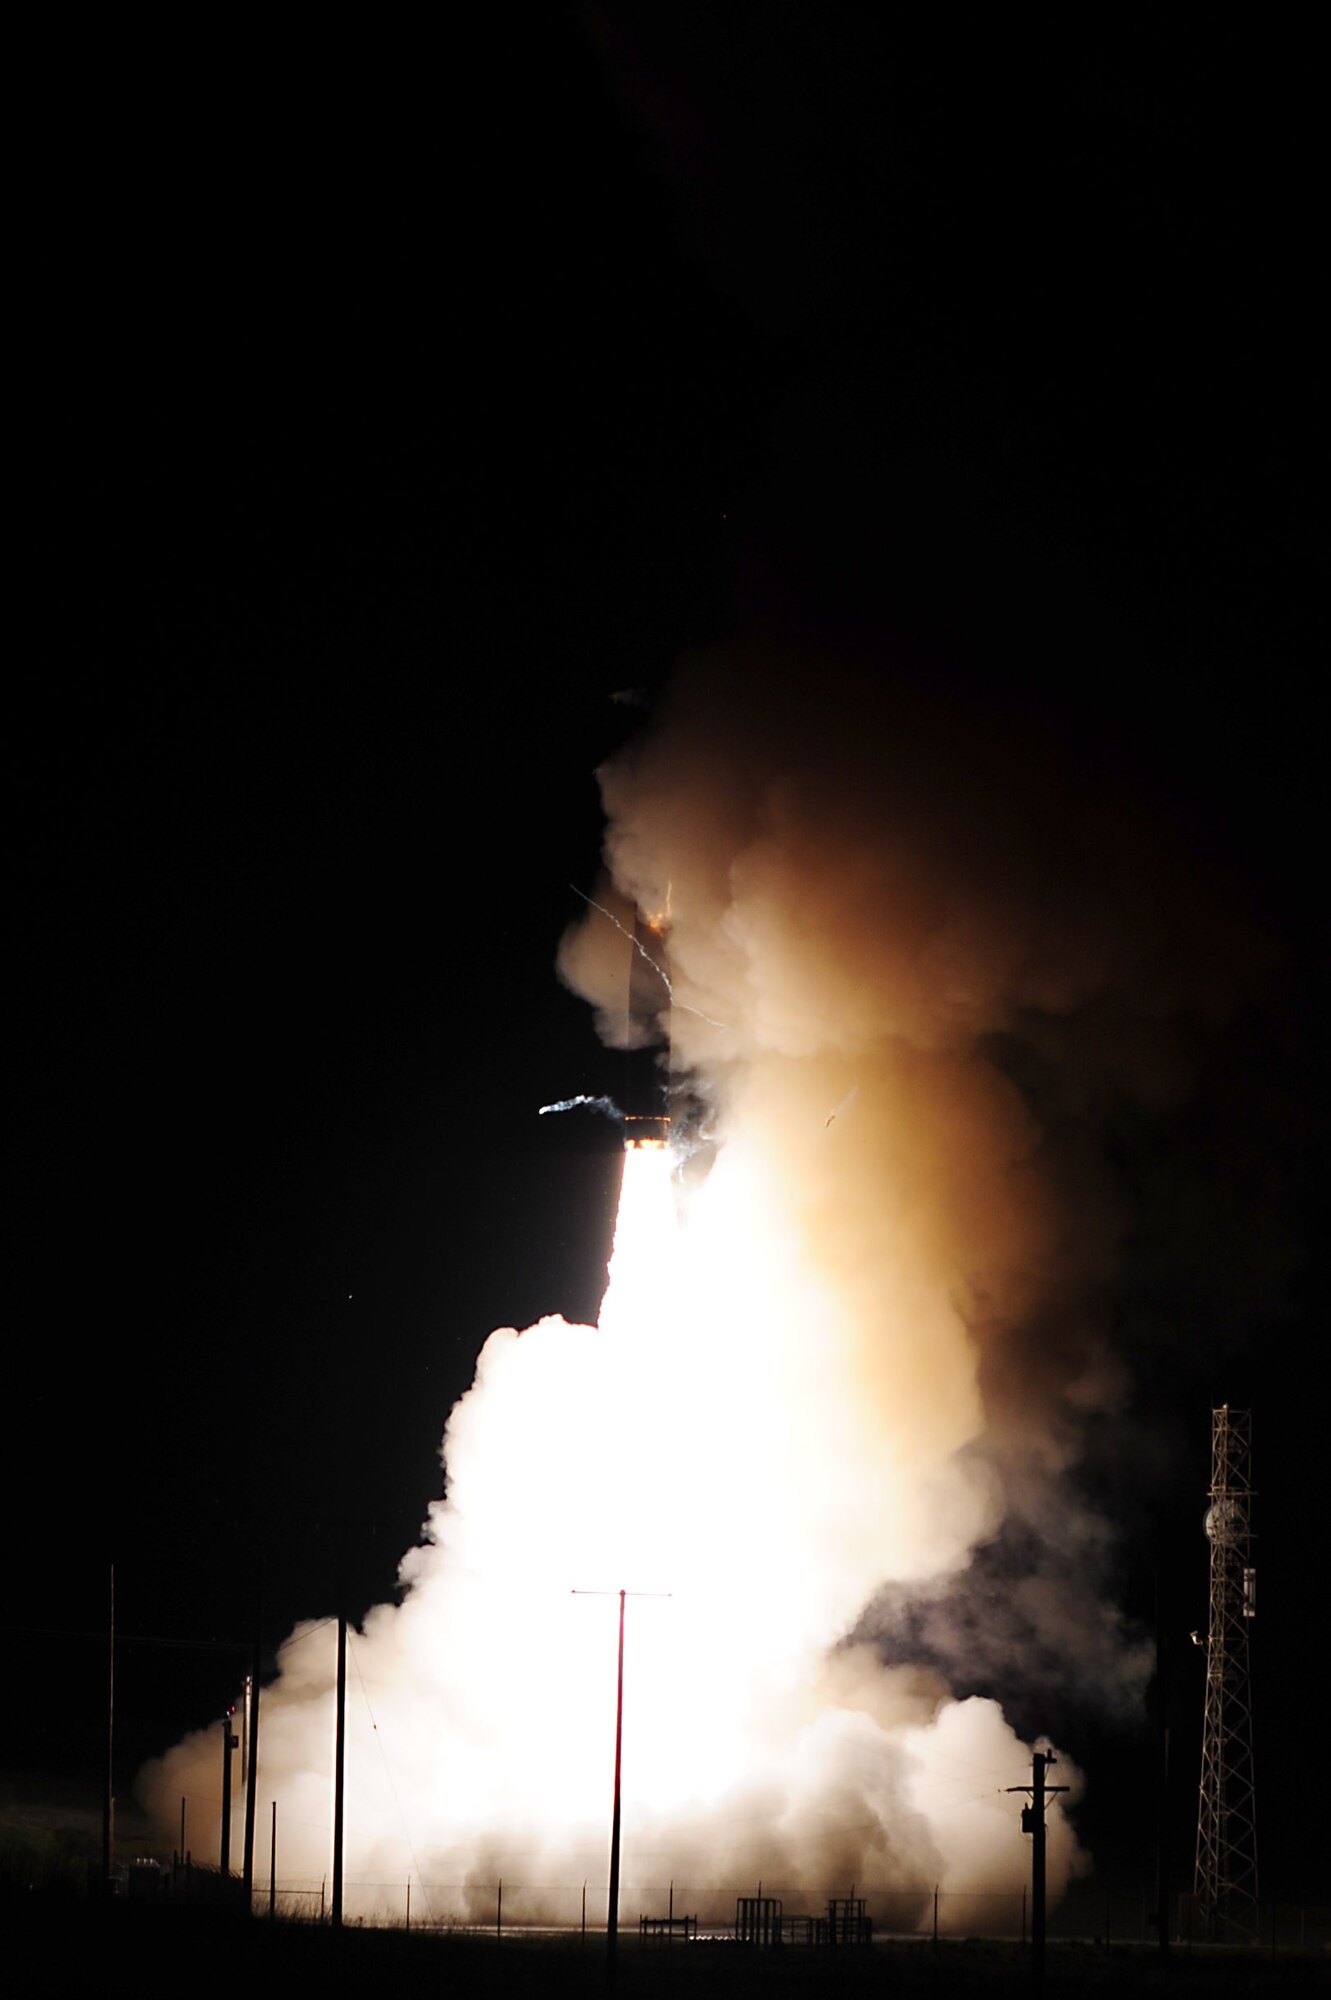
column 1087, row 1913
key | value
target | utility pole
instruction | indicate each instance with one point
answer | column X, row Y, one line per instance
column 1226, row 1876
column 1032, row 1822
column 612, row 1913
column 612, row 1919
column 229, row 1742
column 339, row 1765
column 109, row 1791
column 1161, row 1707
column 251, row 1772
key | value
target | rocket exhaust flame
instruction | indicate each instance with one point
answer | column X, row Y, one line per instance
column 640, row 1133
column 670, row 1442
column 898, row 1005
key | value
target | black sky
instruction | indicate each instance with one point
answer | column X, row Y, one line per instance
column 386, row 408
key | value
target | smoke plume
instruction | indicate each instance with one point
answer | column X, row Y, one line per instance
column 913, row 955
column 954, row 937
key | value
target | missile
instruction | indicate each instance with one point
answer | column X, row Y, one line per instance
column 646, row 1117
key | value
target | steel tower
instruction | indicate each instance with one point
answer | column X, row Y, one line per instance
column 1226, row 1879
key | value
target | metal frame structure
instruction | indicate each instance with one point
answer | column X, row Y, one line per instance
column 1226, row 1874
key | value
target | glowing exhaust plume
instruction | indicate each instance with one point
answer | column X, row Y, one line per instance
column 913, row 963
column 687, row 1444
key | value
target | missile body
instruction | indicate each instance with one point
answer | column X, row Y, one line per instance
column 646, row 1117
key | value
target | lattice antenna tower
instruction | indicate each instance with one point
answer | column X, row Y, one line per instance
column 1226, row 1878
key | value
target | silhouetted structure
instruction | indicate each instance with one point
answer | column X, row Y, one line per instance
column 761, row 1920
column 668, row 1927
column 1226, row 1877
column 846, row 1921
column 758, row 1920
column 1039, row 1792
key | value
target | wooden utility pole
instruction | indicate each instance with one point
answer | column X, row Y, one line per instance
column 229, row 1742
column 1162, row 1704
column 1032, row 1822
column 339, row 1765
column 109, row 1793
column 612, row 1921
column 612, row 1913
column 251, row 1771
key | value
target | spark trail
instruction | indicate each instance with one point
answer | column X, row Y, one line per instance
column 646, row 957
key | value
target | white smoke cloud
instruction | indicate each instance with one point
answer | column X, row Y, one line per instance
column 868, row 1353
column 699, row 1441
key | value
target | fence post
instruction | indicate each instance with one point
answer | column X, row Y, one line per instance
column 499, row 1910
column 935, row 1916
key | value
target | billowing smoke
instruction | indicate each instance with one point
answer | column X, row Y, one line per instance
column 912, row 958
column 917, row 955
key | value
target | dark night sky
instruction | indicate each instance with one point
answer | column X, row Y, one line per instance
column 387, row 408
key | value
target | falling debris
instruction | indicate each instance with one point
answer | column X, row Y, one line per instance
column 844, row 1105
